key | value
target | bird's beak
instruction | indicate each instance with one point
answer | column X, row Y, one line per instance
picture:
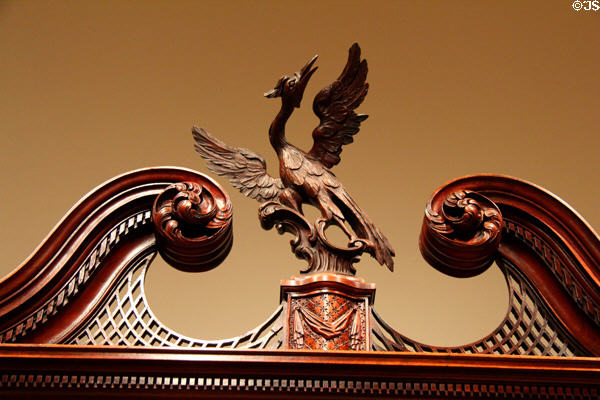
column 308, row 65
column 271, row 93
column 303, row 77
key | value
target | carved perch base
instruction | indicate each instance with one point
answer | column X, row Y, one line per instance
column 311, row 242
column 326, row 311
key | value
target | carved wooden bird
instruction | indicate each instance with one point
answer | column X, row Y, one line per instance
column 306, row 177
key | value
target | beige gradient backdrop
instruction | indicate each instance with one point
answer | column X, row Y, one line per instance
column 90, row 90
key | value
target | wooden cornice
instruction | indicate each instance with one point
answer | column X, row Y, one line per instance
column 84, row 286
column 187, row 373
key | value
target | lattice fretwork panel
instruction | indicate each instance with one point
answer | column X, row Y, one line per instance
column 78, row 280
column 527, row 329
column 555, row 264
column 126, row 319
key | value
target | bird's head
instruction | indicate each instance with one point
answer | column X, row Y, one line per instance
column 291, row 88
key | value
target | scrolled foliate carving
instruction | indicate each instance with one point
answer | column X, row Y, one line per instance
column 461, row 232
column 192, row 223
column 311, row 242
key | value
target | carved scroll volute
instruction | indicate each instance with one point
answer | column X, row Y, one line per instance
column 461, row 232
column 193, row 225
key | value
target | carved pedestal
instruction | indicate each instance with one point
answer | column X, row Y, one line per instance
column 327, row 311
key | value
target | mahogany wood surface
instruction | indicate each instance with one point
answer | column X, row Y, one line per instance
column 107, row 223
column 306, row 177
column 54, row 371
column 472, row 221
column 63, row 292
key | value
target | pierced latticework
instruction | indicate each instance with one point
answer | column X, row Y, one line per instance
column 126, row 319
column 543, row 248
column 527, row 329
column 78, row 280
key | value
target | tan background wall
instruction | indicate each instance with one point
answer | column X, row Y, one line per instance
column 93, row 89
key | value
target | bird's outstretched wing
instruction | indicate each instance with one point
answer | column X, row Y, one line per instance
column 335, row 105
column 247, row 171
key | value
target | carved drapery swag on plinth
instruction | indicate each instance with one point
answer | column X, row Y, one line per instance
column 326, row 311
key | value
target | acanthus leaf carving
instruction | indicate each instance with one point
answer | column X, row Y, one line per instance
column 461, row 232
column 310, row 242
column 193, row 225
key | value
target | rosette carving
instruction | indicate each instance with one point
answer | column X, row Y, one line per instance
column 311, row 243
column 193, row 225
column 461, row 232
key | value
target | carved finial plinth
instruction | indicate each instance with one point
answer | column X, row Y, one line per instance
column 326, row 311
column 192, row 223
column 311, row 243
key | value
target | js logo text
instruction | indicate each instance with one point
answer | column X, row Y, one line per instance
column 587, row 5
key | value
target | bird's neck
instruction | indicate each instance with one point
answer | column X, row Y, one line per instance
column 277, row 128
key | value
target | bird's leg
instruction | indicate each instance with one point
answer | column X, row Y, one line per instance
column 291, row 198
column 340, row 222
column 330, row 216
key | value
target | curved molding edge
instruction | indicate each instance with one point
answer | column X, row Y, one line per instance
column 177, row 211
column 472, row 221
